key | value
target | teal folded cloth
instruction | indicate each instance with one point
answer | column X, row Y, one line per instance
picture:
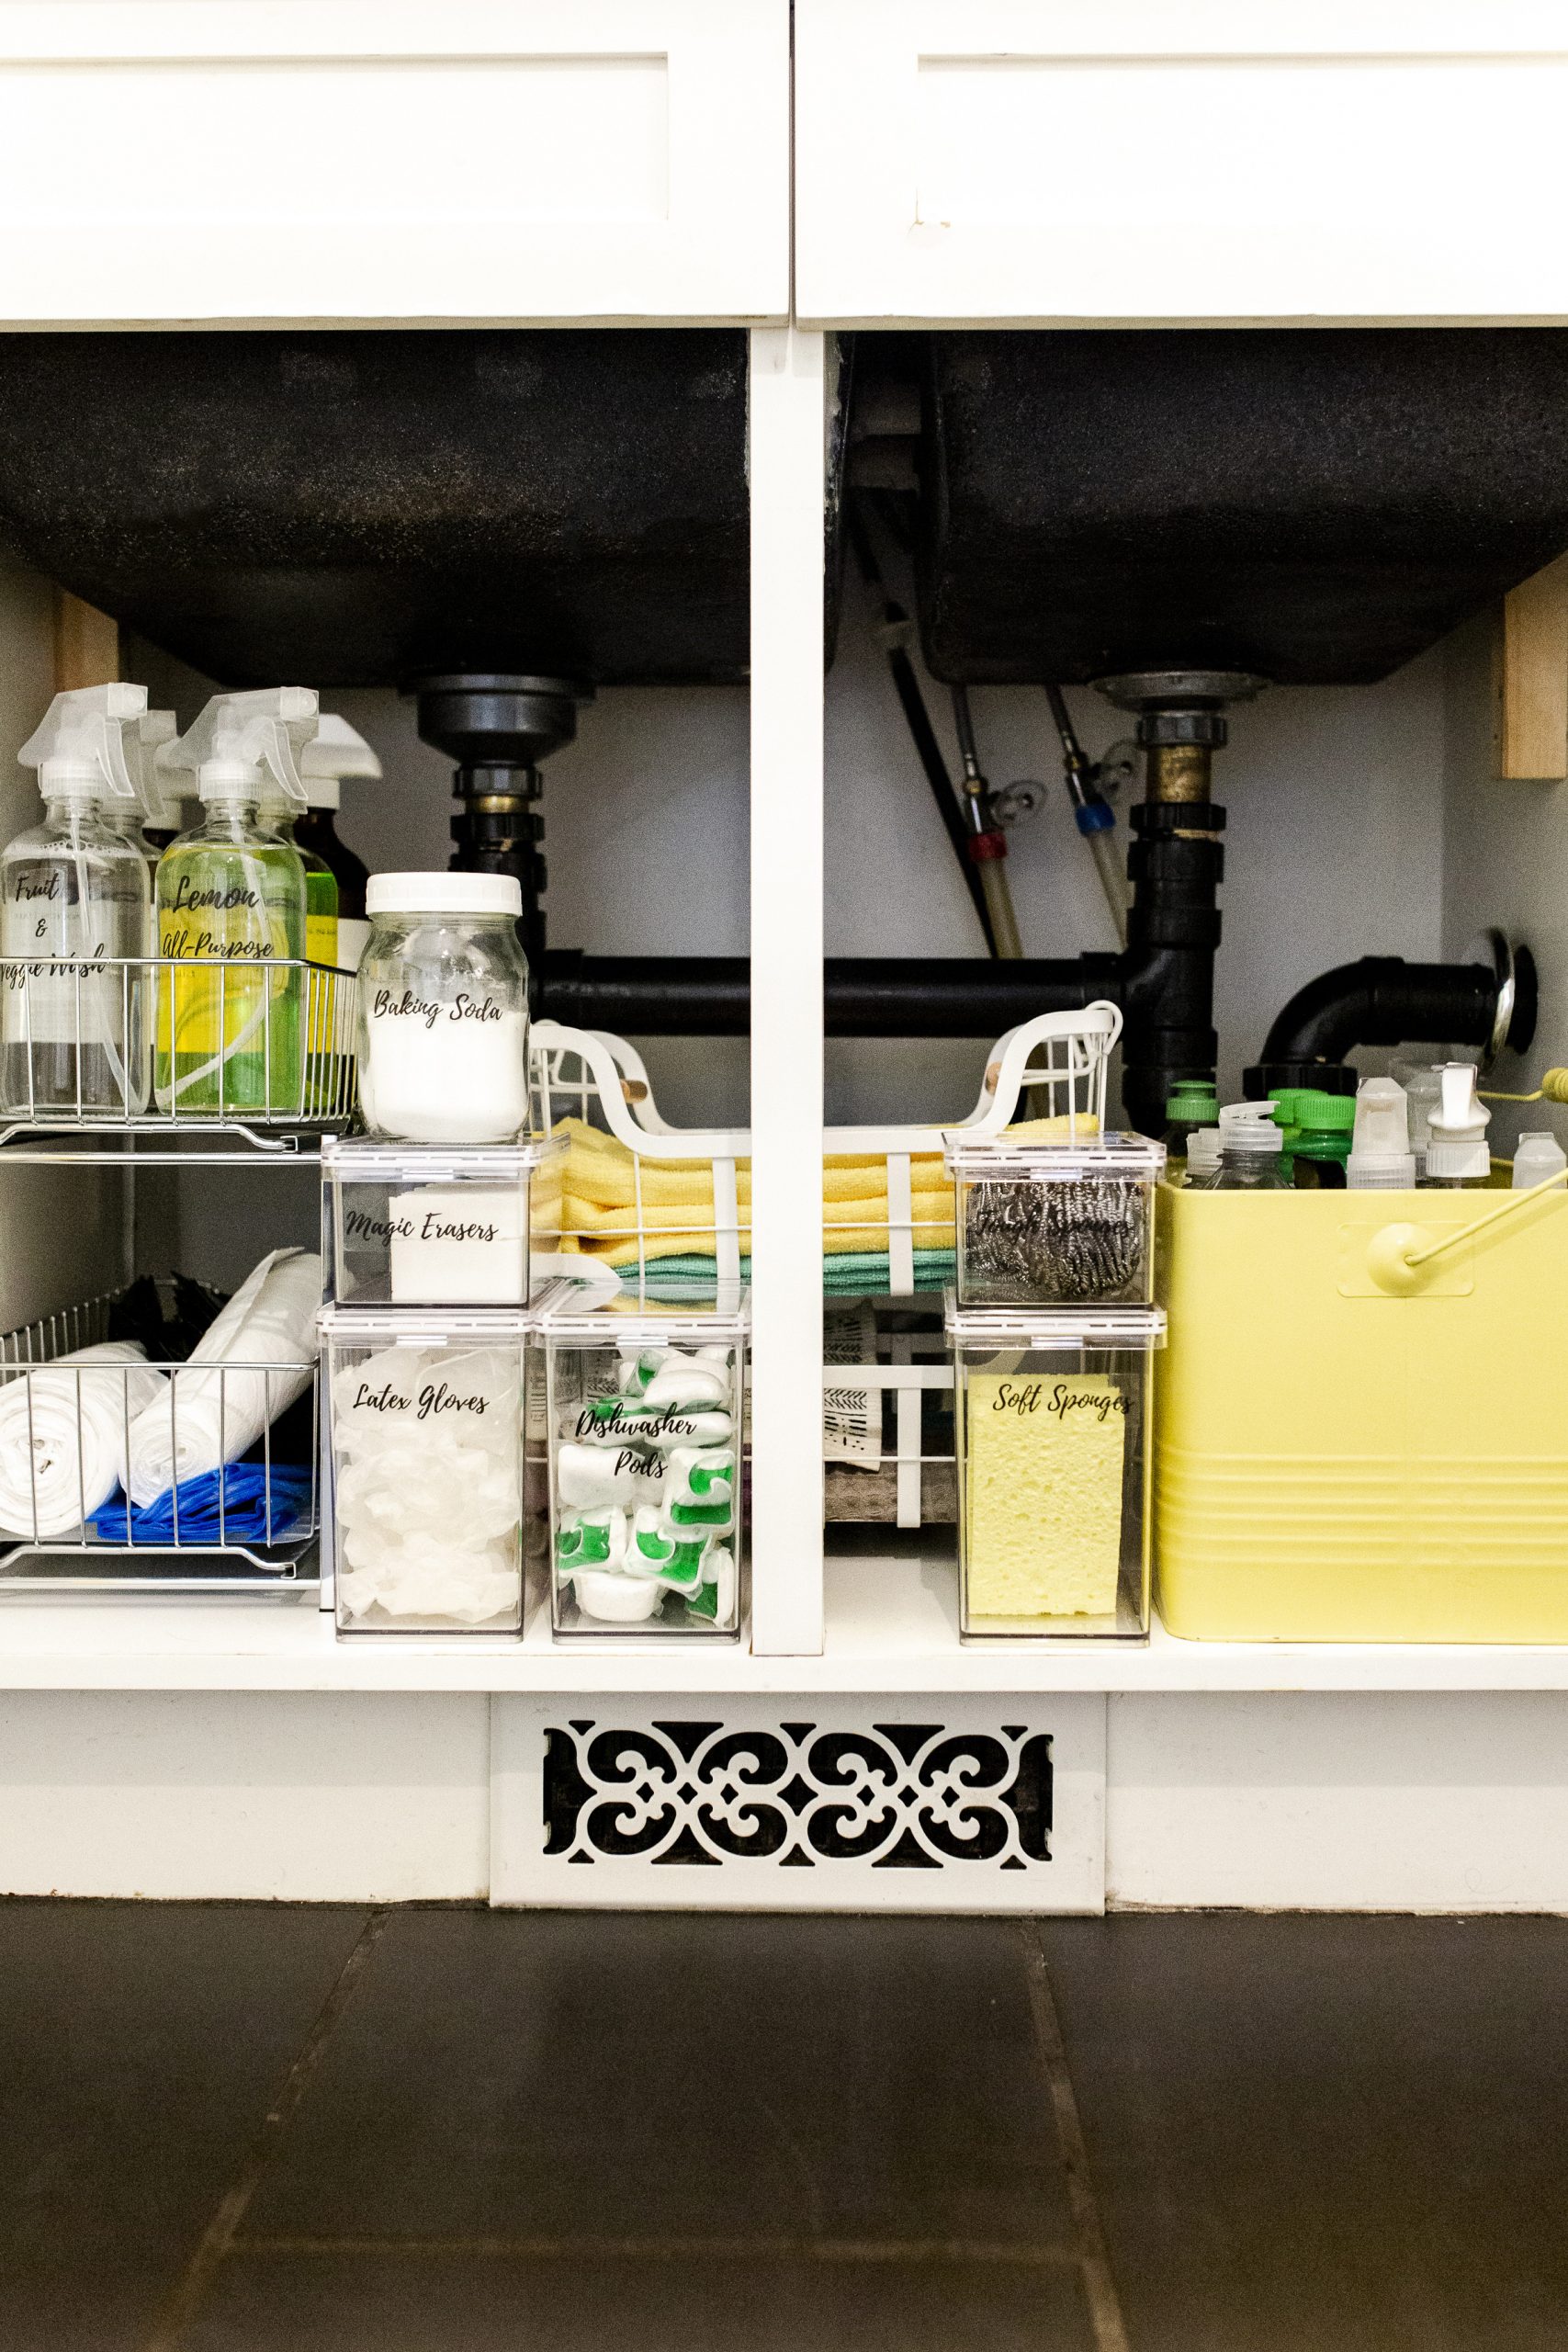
column 855, row 1274
column 864, row 1273
column 677, row 1268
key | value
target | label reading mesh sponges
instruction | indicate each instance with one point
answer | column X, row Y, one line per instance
column 1044, row 1494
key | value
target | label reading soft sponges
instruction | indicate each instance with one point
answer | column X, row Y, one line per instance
column 1044, row 1494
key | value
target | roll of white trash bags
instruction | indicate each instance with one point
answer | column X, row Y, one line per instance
column 214, row 1414
column 62, row 1434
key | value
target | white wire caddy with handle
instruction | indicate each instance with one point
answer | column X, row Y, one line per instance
column 244, row 1555
column 82, row 1069
column 1059, row 1061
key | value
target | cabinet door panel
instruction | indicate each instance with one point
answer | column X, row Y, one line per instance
column 1134, row 161
column 273, row 160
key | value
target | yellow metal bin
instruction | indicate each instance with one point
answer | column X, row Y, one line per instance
column 1351, row 1445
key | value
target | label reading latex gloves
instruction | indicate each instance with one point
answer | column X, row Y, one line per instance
column 1044, row 1475
column 432, row 1401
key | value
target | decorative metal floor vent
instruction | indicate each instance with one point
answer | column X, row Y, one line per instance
column 896, row 1796
column 826, row 1804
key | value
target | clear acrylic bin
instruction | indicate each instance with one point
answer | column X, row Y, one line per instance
column 426, row 1419
column 644, row 1414
column 1051, row 1425
column 1068, row 1224
column 428, row 1225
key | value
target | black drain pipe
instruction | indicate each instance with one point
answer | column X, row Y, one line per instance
column 1163, row 979
column 867, row 996
column 1382, row 1000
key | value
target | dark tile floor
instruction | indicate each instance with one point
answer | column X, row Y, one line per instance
column 257, row 2130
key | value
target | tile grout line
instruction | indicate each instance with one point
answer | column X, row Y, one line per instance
column 168, row 2330
column 1100, row 2287
column 847, row 2251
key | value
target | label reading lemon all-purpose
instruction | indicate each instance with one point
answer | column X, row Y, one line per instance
column 228, row 1015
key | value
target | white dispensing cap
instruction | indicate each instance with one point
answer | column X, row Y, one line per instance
column 1423, row 1084
column 335, row 751
column 1248, row 1127
column 1537, row 1156
column 444, row 894
column 1456, row 1145
column 1381, row 1159
column 1202, row 1152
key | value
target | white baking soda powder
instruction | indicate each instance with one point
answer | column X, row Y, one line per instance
column 443, row 1072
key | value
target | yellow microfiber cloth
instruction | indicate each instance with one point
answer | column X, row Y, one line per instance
column 858, row 1180
column 1043, row 1494
column 601, row 1185
column 1085, row 1128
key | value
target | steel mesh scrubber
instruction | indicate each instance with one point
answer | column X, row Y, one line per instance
column 1080, row 1241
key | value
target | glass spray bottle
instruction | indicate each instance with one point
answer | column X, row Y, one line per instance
column 75, row 919
column 231, row 918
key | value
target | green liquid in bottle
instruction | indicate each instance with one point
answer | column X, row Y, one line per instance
column 231, row 909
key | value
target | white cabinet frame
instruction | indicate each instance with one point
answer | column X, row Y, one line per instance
column 787, row 450
column 1156, row 161
column 246, row 163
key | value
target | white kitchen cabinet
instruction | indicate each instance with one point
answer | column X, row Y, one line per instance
column 1129, row 161
column 242, row 161
column 179, row 162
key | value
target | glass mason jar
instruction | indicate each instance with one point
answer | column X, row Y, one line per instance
column 443, row 1037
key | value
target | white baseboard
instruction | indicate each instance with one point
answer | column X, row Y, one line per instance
column 1340, row 1801
column 263, row 1796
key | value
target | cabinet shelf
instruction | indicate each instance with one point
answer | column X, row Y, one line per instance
column 162, row 1143
column 891, row 1628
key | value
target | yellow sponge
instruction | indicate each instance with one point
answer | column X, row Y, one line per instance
column 1044, row 1494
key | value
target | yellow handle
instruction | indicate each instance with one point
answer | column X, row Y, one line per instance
column 1553, row 1087
column 1396, row 1254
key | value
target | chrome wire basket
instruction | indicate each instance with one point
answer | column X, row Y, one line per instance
column 78, row 1429
column 154, row 1044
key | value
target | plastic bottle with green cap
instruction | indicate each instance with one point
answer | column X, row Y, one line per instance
column 1284, row 1100
column 1194, row 1106
column 1325, row 1125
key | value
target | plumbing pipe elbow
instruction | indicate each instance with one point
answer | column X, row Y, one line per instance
column 1384, row 1000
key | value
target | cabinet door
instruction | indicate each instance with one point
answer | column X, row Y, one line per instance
column 435, row 161
column 1145, row 160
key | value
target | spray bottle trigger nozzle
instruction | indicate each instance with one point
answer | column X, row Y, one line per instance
column 239, row 734
column 80, row 746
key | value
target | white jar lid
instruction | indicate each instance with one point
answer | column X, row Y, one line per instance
column 444, row 894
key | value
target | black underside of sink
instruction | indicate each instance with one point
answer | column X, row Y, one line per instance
column 1315, row 505
column 350, row 508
